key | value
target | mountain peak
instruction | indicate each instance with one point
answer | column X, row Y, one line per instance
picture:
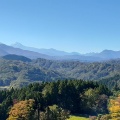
column 17, row 44
column 108, row 51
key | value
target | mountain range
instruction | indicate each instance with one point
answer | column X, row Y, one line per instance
column 5, row 50
column 104, row 55
column 53, row 54
column 50, row 52
column 19, row 67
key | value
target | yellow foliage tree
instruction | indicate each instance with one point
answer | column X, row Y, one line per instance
column 115, row 108
column 22, row 110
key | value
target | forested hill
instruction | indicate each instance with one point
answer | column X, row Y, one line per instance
column 112, row 82
column 19, row 71
column 82, row 70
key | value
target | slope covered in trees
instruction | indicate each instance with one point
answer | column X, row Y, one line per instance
column 19, row 71
column 112, row 82
column 69, row 96
column 17, row 57
column 82, row 70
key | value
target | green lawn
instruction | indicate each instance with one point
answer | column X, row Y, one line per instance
column 78, row 118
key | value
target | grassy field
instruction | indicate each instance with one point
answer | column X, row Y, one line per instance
column 78, row 118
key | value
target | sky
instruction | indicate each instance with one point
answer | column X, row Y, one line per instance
column 70, row 25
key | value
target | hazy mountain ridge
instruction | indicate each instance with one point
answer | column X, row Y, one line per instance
column 16, row 57
column 61, row 55
column 5, row 50
column 108, row 54
column 50, row 52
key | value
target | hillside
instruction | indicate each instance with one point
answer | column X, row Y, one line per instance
column 82, row 70
column 16, row 57
column 19, row 70
column 18, row 73
column 112, row 82
column 54, row 99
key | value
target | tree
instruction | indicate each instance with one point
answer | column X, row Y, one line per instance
column 115, row 108
column 94, row 102
column 54, row 113
column 22, row 110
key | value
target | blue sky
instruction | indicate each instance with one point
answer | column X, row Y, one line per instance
column 70, row 25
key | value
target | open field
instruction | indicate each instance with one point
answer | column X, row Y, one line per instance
column 78, row 118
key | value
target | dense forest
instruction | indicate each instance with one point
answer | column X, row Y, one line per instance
column 111, row 82
column 82, row 70
column 59, row 59
column 18, row 71
column 42, row 101
column 54, row 90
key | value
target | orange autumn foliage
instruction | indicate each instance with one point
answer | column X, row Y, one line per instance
column 22, row 110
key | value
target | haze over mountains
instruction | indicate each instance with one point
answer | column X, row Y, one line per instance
column 5, row 50
column 53, row 54
column 50, row 52
column 23, row 65
column 104, row 55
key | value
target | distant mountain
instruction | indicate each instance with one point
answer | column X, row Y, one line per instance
column 90, row 54
column 57, row 55
column 50, row 52
column 16, row 57
column 105, row 54
column 108, row 54
column 2, row 52
column 5, row 50
column 61, row 55
column 81, row 58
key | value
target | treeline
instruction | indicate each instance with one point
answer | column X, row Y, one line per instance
column 112, row 82
column 74, row 96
